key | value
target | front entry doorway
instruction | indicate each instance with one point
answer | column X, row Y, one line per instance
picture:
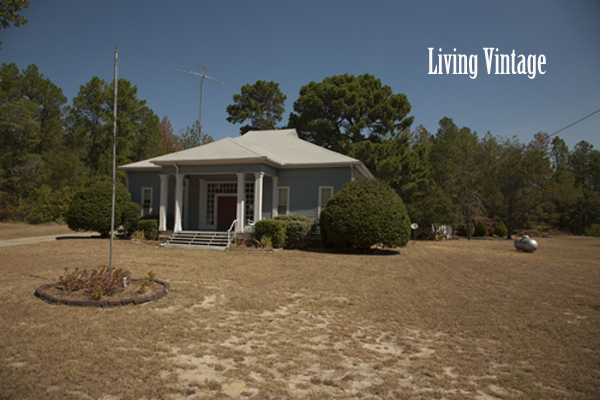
column 226, row 211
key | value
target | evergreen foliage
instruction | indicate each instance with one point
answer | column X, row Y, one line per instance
column 364, row 213
column 50, row 150
column 271, row 228
column 260, row 103
column 500, row 229
column 593, row 230
column 298, row 231
column 346, row 109
column 131, row 217
column 149, row 227
column 90, row 208
column 480, row 229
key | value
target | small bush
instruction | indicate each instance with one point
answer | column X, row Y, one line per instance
column 149, row 227
column 299, row 229
column 593, row 230
column 480, row 229
column 97, row 283
column 364, row 213
column 131, row 217
column 265, row 242
column 501, row 230
column 147, row 282
column 274, row 229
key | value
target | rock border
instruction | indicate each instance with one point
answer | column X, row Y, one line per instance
column 41, row 294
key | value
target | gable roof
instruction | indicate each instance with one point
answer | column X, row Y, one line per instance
column 281, row 148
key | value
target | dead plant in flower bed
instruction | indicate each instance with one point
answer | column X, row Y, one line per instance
column 104, row 281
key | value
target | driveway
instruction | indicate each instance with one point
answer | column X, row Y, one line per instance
column 39, row 239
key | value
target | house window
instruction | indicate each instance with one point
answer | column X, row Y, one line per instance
column 146, row 201
column 325, row 193
column 284, row 200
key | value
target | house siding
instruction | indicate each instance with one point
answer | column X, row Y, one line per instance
column 138, row 180
column 304, row 187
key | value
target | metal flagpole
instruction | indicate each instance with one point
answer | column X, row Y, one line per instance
column 112, row 211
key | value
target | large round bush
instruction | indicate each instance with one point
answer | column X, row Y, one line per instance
column 364, row 213
column 89, row 209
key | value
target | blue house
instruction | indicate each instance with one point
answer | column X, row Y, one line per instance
column 233, row 182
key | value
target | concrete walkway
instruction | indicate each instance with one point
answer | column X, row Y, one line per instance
column 39, row 239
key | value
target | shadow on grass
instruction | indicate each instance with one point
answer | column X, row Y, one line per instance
column 370, row 252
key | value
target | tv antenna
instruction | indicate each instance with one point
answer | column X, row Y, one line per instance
column 203, row 76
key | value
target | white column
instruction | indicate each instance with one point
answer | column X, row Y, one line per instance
column 186, row 202
column 202, row 204
column 178, row 201
column 275, row 196
column 258, row 195
column 164, row 197
column 241, row 196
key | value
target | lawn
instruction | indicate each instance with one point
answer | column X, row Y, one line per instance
column 449, row 320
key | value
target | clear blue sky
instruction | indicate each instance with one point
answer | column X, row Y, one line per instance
column 293, row 43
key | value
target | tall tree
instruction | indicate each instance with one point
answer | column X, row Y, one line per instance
column 260, row 103
column 453, row 162
column 30, row 127
column 345, row 108
column 90, row 122
column 168, row 141
column 584, row 162
column 192, row 136
column 9, row 10
column 521, row 176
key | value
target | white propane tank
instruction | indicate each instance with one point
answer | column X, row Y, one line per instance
column 526, row 244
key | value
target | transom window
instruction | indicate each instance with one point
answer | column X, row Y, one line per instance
column 213, row 189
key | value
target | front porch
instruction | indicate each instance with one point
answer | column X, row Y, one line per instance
column 211, row 202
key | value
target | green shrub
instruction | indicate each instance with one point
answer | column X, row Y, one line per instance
column 274, row 229
column 501, row 230
column 149, row 227
column 130, row 218
column 364, row 213
column 481, row 229
column 593, row 230
column 90, row 208
column 299, row 229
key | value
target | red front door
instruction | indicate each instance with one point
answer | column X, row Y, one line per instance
column 226, row 211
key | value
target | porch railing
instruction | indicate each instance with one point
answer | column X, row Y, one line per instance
column 229, row 232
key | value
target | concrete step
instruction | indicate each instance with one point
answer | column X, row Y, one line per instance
column 199, row 239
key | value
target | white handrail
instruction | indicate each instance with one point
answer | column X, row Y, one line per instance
column 229, row 232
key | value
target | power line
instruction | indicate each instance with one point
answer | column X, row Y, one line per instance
column 576, row 122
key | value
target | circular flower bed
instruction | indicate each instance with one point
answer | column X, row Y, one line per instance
column 53, row 293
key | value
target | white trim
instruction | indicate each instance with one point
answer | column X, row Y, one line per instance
column 320, row 203
column 274, row 197
column 151, row 202
column 202, row 203
column 178, row 200
column 241, row 201
column 258, row 195
column 164, row 196
column 287, row 189
column 186, row 198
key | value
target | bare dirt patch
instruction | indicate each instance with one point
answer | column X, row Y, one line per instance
column 452, row 320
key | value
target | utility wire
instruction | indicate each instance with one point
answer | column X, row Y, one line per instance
column 576, row 122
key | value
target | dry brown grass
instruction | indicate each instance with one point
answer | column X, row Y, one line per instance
column 451, row 320
column 15, row 231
